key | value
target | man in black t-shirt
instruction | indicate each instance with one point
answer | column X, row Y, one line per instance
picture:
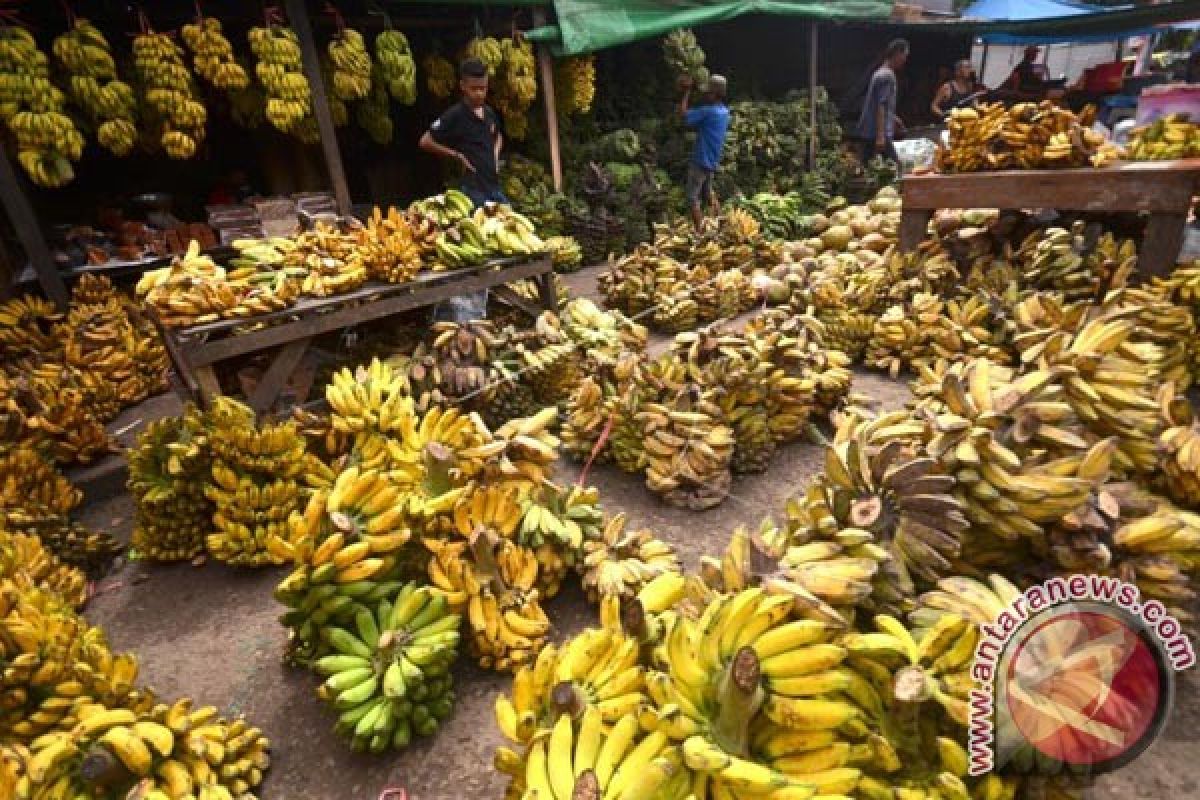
column 469, row 132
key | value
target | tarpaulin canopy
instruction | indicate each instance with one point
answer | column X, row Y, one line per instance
column 1067, row 21
column 587, row 25
column 1025, row 10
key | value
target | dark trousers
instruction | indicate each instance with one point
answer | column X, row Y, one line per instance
column 868, row 150
column 472, row 305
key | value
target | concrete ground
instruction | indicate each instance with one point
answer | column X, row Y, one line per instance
column 211, row 632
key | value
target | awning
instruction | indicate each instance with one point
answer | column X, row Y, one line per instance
column 588, row 25
column 1066, row 22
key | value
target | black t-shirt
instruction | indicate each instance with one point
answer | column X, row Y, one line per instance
column 463, row 130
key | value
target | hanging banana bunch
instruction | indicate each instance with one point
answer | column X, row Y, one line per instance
column 86, row 58
column 279, row 72
column 575, row 83
column 169, row 92
column 440, row 76
column 351, row 65
column 34, row 110
column 396, row 66
column 488, row 50
column 212, row 54
column 516, row 86
column 373, row 112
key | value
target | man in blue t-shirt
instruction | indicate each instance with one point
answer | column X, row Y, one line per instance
column 711, row 123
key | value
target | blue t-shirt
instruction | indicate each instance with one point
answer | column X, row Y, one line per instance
column 711, row 123
column 881, row 92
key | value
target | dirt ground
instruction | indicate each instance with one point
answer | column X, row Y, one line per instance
column 212, row 633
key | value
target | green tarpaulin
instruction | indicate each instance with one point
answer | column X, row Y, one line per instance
column 587, row 25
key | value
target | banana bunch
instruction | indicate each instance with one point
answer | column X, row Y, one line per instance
column 30, row 483
column 684, row 57
column 515, row 85
column 688, row 449
column 351, row 65
column 462, row 245
column 104, row 341
column 27, row 327
column 575, row 84
column 488, row 50
column 169, row 751
column 441, row 79
column 389, row 251
column 1160, row 322
column 26, row 564
column 456, row 366
column 255, row 483
column 897, row 339
column 192, row 290
column 620, row 562
column 373, row 112
column 35, row 111
column 168, row 470
column 445, row 209
column 969, row 327
column 170, row 94
column 1180, row 448
column 1078, row 263
column 1024, row 136
column 1170, row 137
column 588, row 412
column 59, row 410
column 604, row 336
column 396, row 66
column 85, row 56
column 280, row 73
column 556, row 522
column 388, row 678
column 565, row 253
column 505, row 232
column 212, row 54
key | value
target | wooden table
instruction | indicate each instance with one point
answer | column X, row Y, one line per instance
column 1163, row 189
column 194, row 350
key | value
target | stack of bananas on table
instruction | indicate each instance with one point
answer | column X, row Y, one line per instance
column 1167, row 138
column 1025, row 136
column 441, row 78
column 169, row 93
column 684, row 57
column 575, row 84
column 396, row 67
column 169, row 468
column 493, row 230
column 444, row 209
column 34, row 110
column 488, row 50
column 351, row 65
column 516, row 86
column 387, row 247
column 279, row 71
column 565, row 253
column 192, row 290
column 86, row 57
column 255, row 487
column 212, row 54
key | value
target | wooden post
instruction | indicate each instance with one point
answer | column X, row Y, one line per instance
column 297, row 13
column 546, row 66
column 24, row 222
column 812, row 94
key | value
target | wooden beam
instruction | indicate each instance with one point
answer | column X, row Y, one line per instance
column 546, row 65
column 29, row 232
column 812, row 94
column 297, row 14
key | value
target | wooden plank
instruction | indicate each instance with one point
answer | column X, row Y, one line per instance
column 1161, row 244
column 1141, row 186
column 314, row 323
column 546, row 66
column 297, row 14
column 282, row 366
column 25, row 224
column 506, row 295
column 812, row 95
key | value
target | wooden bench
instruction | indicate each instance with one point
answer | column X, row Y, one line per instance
column 1162, row 189
column 194, row 350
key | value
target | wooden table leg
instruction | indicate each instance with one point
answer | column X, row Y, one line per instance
column 1161, row 244
column 507, row 295
column 282, row 366
column 913, row 227
column 208, row 387
column 549, row 297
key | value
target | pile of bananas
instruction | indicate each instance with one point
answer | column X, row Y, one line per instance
column 1167, row 138
column 441, row 78
column 255, row 482
column 684, row 57
column 516, row 86
column 212, row 55
column 565, row 252
column 765, row 139
column 26, row 563
column 388, row 249
column 620, row 562
column 575, row 85
column 169, row 93
column 85, row 56
column 50, row 406
column 491, row 231
column 34, row 110
column 168, row 471
column 280, row 73
column 396, row 67
column 192, row 290
column 1025, row 136
column 351, row 65
column 488, row 50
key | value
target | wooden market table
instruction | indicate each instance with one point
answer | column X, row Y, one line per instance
column 195, row 350
column 1163, row 189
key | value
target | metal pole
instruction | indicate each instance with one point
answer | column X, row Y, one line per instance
column 546, row 66
column 812, row 95
column 25, row 223
column 297, row 14
column 983, row 63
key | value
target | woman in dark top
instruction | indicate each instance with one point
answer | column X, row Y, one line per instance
column 956, row 91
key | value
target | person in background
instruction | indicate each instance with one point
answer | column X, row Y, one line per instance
column 1028, row 77
column 469, row 132
column 956, row 91
column 878, row 123
column 710, row 120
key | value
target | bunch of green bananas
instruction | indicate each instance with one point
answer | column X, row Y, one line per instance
column 351, row 65
column 1170, row 137
column 85, row 55
column 34, row 110
column 684, row 57
column 488, row 50
column 440, row 76
column 212, row 54
column 444, row 209
column 373, row 112
column 575, row 84
column 168, row 470
column 279, row 70
column 504, row 231
column 565, row 253
column 388, row 678
column 169, row 92
column 396, row 66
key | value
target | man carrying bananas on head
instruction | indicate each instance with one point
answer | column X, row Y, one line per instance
column 469, row 132
column 710, row 120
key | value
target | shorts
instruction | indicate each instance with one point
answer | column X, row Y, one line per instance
column 699, row 184
column 472, row 305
